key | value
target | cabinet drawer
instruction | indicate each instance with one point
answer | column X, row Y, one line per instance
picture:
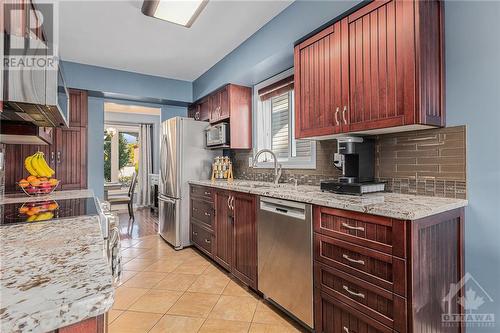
column 378, row 303
column 202, row 238
column 375, row 267
column 333, row 316
column 202, row 212
column 375, row 232
column 203, row 192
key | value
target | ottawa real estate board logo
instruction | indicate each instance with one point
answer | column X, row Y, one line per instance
column 31, row 35
column 470, row 296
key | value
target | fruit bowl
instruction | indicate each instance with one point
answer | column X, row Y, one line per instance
column 38, row 185
column 38, row 211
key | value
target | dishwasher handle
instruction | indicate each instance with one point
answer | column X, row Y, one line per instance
column 291, row 209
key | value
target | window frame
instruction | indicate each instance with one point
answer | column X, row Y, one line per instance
column 293, row 162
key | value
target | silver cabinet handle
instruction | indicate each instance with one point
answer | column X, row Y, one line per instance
column 195, row 209
column 207, row 214
column 346, row 288
column 58, row 157
column 232, row 202
column 207, row 193
column 207, row 241
column 346, row 257
column 197, row 115
column 195, row 233
column 52, row 157
column 343, row 114
column 347, row 226
column 228, row 202
column 346, row 330
column 337, row 116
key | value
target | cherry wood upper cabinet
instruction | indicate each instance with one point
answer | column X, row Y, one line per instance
column 390, row 58
column 78, row 116
column 233, row 104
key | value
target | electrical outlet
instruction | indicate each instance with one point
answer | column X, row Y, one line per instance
column 250, row 161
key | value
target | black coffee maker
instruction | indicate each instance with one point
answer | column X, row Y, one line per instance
column 355, row 157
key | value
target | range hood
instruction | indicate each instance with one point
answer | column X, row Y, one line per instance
column 24, row 133
column 32, row 93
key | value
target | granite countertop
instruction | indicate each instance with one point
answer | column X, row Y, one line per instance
column 56, row 195
column 394, row 205
column 53, row 274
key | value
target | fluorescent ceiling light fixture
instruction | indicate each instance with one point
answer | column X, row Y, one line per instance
column 182, row 12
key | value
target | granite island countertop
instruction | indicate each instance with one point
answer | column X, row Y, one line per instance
column 56, row 195
column 53, row 273
column 393, row 205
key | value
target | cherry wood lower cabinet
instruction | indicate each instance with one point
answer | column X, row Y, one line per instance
column 377, row 274
column 232, row 234
column 91, row 325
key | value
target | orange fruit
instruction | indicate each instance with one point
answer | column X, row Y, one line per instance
column 23, row 209
column 31, row 178
column 53, row 181
column 42, row 179
column 52, row 206
column 31, row 212
column 35, row 182
column 23, row 183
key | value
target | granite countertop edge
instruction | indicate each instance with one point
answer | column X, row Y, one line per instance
column 386, row 204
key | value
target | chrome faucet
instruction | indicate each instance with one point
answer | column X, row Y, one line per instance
column 277, row 167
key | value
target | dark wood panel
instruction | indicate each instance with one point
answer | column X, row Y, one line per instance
column 71, row 157
column 91, row 325
column 380, row 304
column 240, row 122
column 223, row 250
column 375, row 232
column 244, row 264
column 202, row 192
column 333, row 316
column 375, row 267
column 78, row 114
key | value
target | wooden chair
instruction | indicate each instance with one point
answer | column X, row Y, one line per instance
column 128, row 199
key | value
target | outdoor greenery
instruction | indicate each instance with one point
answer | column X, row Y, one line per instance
column 125, row 154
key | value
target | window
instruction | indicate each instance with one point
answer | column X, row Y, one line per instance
column 274, row 125
column 121, row 153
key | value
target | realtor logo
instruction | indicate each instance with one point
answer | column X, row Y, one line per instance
column 470, row 296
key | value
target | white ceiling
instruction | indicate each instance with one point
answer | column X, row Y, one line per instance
column 115, row 34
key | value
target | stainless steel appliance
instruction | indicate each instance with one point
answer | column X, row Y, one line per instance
column 285, row 263
column 32, row 93
column 217, row 135
column 355, row 157
column 183, row 157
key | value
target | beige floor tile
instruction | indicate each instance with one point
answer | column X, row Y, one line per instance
column 265, row 314
column 194, row 305
column 166, row 265
column 268, row 328
column 213, row 283
column 132, row 322
column 138, row 264
column 124, row 297
column 156, row 301
column 125, row 243
column 126, row 275
column 132, row 252
column 224, row 326
column 177, row 324
column 191, row 267
column 145, row 280
column 113, row 314
column 176, row 281
column 214, row 269
column 240, row 308
column 151, row 242
column 234, row 289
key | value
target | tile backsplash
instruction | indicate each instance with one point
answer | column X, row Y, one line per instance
column 427, row 162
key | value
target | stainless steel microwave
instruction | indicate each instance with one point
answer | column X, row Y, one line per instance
column 217, row 135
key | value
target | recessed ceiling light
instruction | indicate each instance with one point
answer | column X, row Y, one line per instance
column 182, row 12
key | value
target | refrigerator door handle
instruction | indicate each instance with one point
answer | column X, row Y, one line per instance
column 166, row 199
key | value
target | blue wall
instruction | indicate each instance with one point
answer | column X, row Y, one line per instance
column 169, row 111
column 270, row 50
column 126, row 84
column 95, row 167
column 473, row 98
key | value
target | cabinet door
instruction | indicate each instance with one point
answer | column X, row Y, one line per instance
column 318, row 84
column 215, row 107
column 381, row 65
column 224, row 103
column 193, row 112
column 245, row 239
column 223, row 230
column 204, row 109
column 78, row 108
column 71, row 157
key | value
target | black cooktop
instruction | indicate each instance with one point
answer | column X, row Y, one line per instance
column 45, row 210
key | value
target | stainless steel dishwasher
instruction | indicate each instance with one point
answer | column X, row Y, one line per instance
column 285, row 263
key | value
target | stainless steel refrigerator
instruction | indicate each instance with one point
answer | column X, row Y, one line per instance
column 183, row 157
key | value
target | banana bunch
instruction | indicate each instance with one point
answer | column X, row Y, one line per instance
column 37, row 166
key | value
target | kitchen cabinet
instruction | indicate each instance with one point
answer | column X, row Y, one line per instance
column 234, row 231
column 378, row 70
column 67, row 154
column 92, row 325
column 202, row 217
column 232, row 104
column 377, row 274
